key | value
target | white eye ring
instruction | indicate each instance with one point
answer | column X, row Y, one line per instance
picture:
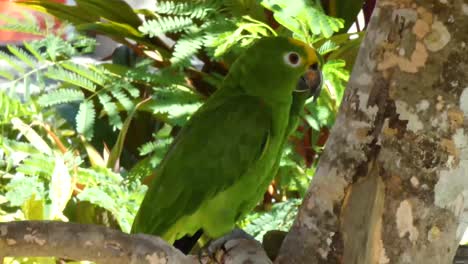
column 292, row 59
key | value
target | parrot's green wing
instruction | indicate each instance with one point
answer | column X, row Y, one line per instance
column 216, row 148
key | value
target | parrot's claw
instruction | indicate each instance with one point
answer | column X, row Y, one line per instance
column 206, row 256
column 214, row 251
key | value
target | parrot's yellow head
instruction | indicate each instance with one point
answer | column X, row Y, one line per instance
column 274, row 67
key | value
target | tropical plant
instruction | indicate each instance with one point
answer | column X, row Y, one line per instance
column 79, row 135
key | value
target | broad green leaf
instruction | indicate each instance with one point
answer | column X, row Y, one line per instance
column 60, row 189
column 33, row 209
column 31, row 136
column 117, row 11
column 119, row 144
column 74, row 14
column 94, row 157
column 347, row 10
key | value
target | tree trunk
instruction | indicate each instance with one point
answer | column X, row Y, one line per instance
column 390, row 187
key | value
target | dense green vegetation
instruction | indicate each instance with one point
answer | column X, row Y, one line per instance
column 79, row 136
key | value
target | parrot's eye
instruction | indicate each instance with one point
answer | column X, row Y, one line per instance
column 292, row 59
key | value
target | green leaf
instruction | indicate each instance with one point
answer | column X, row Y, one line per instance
column 60, row 189
column 22, row 55
column 61, row 96
column 94, row 157
column 97, row 196
column 163, row 25
column 119, row 144
column 303, row 18
column 194, row 9
column 174, row 104
column 119, row 11
column 336, row 76
column 347, row 10
column 122, row 97
column 280, row 217
column 7, row 75
column 33, row 208
column 85, row 72
column 31, row 136
column 327, row 47
column 37, row 165
column 12, row 61
column 23, row 27
column 11, row 107
column 115, row 30
column 74, row 14
column 186, row 47
column 35, row 52
column 111, row 110
column 61, row 74
column 21, row 188
column 85, row 118
column 241, row 8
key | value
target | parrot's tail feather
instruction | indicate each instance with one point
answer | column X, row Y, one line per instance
column 186, row 243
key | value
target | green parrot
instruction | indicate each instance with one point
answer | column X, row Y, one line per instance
column 224, row 158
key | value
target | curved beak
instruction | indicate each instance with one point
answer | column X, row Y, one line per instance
column 310, row 82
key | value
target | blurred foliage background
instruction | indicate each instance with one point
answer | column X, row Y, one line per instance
column 81, row 136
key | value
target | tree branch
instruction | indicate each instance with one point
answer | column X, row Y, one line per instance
column 83, row 242
column 106, row 246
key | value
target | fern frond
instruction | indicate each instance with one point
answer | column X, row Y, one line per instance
column 165, row 77
column 163, row 25
column 56, row 47
column 61, row 74
column 328, row 47
column 37, row 165
column 335, row 76
column 28, row 24
column 87, row 73
column 132, row 90
column 61, row 96
column 23, row 28
column 195, row 9
column 22, row 55
column 11, row 107
column 34, row 51
column 123, row 99
column 186, row 47
column 153, row 146
column 85, row 118
column 12, row 61
column 10, row 146
column 111, row 109
column 175, row 104
column 7, row 75
column 336, row 67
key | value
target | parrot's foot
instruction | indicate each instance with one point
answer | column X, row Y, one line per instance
column 215, row 251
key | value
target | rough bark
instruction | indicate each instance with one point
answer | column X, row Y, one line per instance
column 107, row 246
column 391, row 184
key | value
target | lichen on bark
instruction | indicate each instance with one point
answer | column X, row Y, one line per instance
column 392, row 177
